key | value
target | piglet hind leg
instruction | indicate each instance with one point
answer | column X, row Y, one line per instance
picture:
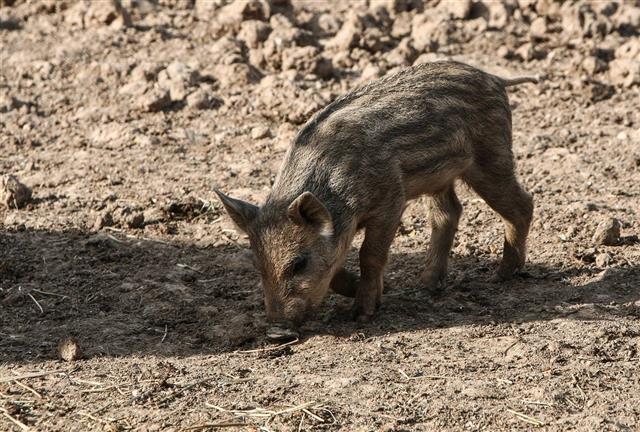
column 444, row 214
column 379, row 234
column 502, row 192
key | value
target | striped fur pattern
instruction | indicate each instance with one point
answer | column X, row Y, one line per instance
column 359, row 161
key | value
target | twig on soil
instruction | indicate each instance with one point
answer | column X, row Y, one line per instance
column 14, row 420
column 386, row 416
column 33, row 375
column 164, row 336
column 93, row 383
column 26, row 387
column 36, row 302
column 408, row 378
column 92, row 417
column 217, row 426
column 50, row 293
column 272, row 348
column 536, row 403
column 312, row 415
column 188, row 267
column 184, row 389
column 582, row 393
column 270, row 414
column 101, row 409
column 526, row 418
column 98, row 390
column 504, row 353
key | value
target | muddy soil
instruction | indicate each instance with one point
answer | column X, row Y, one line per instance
column 128, row 301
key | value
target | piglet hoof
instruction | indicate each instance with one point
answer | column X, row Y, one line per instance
column 360, row 316
column 504, row 273
column 433, row 282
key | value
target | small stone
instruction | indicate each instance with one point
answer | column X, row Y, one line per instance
column 177, row 90
column 135, row 88
column 505, row 52
column 135, row 220
column 14, row 194
column 370, row 73
column 327, row 24
column 629, row 49
column 603, row 259
column 597, row 91
column 236, row 12
column 628, row 20
column 624, row 72
column 178, row 71
column 199, row 99
column 538, row 28
column 69, row 349
column 458, row 9
column 259, row 132
column 593, row 65
column 526, row 52
column 424, row 33
column 154, row 100
column 349, row 34
column 253, row 32
column 607, row 233
column 103, row 220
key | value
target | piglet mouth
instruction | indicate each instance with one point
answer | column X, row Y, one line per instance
column 282, row 332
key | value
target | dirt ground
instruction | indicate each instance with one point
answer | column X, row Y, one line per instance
column 122, row 116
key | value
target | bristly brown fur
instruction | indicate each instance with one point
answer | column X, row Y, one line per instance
column 363, row 157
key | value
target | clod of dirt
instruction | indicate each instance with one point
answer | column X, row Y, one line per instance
column 538, row 28
column 279, row 333
column 154, row 100
column 110, row 12
column 238, row 11
column 260, row 132
column 349, row 34
column 200, row 99
column 14, row 194
column 135, row 220
column 69, row 349
column 104, row 219
column 603, row 259
column 103, row 241
column 457, row 9
column 607, row 233
column 253, row 32
column 624, row 72
column 593, row 65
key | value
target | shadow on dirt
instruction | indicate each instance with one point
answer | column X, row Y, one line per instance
column 125, row 296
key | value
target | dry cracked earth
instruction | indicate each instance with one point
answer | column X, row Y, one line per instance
column 117, row 119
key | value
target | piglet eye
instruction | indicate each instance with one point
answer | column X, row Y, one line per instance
column 299, row 264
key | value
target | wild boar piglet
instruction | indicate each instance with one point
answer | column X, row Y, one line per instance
column 356, row 163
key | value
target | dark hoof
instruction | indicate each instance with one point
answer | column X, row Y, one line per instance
column 359, row 316
column 433, row 282
column 282, row 333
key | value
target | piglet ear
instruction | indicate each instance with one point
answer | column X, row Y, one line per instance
column 242, row 213
column 309, row 211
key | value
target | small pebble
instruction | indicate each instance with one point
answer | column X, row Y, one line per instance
column 69, row 349
column 607, row 233
column 259, row 132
